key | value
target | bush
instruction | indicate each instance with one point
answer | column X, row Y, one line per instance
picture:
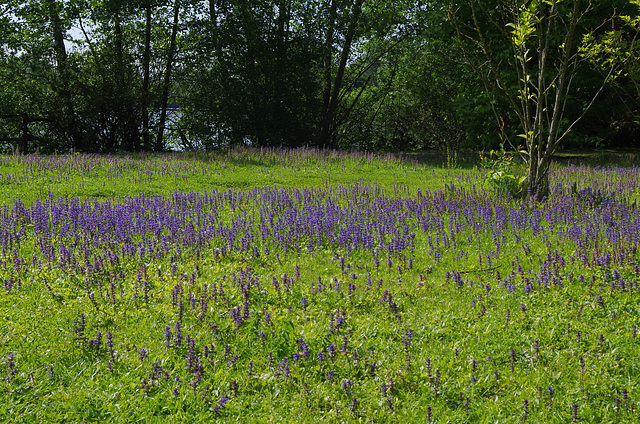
column 505, row 175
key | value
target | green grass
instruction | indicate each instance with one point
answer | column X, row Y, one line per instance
column 576, row 335
column 27, row 178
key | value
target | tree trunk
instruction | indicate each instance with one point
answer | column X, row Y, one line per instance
column 68, row 119
column 327, row 64
column 539, row 156
column 542, row 91
column 126, row 114
column 146, row 63
column 167, row 76
column 328, row 128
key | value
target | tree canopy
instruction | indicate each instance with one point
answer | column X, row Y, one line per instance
column 153, row 75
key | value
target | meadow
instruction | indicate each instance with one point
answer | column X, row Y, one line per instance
column 268, row 285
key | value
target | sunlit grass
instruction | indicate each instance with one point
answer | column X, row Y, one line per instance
column 397, row 291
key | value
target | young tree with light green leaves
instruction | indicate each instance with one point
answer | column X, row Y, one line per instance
column 547, row 41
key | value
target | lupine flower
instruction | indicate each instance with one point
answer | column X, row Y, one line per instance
column 167, row 337
column 192, row 358
column 345, row 343
column 110, row 350
column 303, row 349
column 284, row 369
column 97, row 342
column 408, row 337
column 236, row 315
column 232, row 361
column 332, row 351
column 275, row 284
column 146, row 386
column 336, row 285
column 384, row 389
column 436, row 382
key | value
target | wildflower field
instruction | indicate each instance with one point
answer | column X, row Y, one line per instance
column 310, row 286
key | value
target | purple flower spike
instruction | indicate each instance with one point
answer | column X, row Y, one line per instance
column 11, row 365
column 331, row 375
column 221, row 404
column 389, row 403
column 167, row 337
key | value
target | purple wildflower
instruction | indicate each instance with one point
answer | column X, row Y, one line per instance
column 178, row 334
column 347, row 386
column 167, row 337
column 11, row 366
column 221, row 404
column 389, row 403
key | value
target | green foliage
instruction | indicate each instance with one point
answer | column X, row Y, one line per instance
column 255, row 79
column 618, row 45
column 263, row 74
column 412, row 103
column 504, row 173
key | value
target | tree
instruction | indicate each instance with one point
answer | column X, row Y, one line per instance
column 536, row 75
column 358, row 37
column 166, row 84
column 124, row 64
column 252, row 74
column 109, row 83
column 416, row 95
column 333, row 83
column 621, row 45
column 38, row 75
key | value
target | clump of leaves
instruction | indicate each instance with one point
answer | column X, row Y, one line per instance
column 504, row 174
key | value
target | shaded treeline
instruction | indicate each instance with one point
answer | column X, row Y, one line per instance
column 152, row 75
